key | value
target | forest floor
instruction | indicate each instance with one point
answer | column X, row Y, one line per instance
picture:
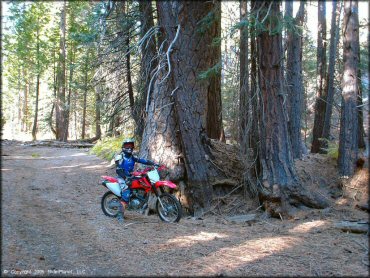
column 52, row 223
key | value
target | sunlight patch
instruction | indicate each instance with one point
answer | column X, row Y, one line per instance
column 78, row 154
column 202, row 236
column 239, row 255
column 69, row 166
column 307, row 226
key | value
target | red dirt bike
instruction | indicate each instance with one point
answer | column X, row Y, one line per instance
column 143, row 182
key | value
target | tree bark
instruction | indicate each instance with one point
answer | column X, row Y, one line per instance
column 60, row 102
column 34, row 128
column 255, row 95
column 214, row 125
column 245, row 115
column 334, row 38
column 294, row 80
column 97, row 115
column 281, row 186
column 348, row 138
column 148, row 64
column 85, row 97
column 320, row 104
column 178, row 109
column 68, row 106
column 361, row 130
column 160, row 140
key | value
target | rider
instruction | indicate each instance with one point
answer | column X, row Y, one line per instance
column 126, row 165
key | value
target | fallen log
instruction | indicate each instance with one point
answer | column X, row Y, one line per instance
column 353, row 227
column 59, row 144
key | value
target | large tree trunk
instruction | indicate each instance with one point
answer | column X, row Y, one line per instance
column 60, row 102
column 334, row 38
column 281, row 186
column 160, row 140
column 320, row 104
column 182, row 98
column 348, row 138
column 148, row 64
column 294, row 80
column 214, row 111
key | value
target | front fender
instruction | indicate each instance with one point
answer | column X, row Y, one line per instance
column 165, row 183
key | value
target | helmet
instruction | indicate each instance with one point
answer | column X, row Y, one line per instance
column 128, row 145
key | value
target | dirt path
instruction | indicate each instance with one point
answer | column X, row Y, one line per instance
column 52, row 223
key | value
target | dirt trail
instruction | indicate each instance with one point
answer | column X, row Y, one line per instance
column 52, row 224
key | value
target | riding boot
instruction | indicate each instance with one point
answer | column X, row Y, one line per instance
column 120, row 215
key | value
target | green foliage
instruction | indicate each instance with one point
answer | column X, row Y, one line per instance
column 332, row 149
column 208, row 21
column 107, row 147
column 35, row 155
column 213, row 71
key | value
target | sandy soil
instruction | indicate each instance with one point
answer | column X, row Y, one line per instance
column 52, row 224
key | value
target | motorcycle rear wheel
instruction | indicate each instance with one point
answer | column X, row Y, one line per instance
column 171, row 211
column 107, row 198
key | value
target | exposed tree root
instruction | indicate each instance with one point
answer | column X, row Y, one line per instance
column 282, row 200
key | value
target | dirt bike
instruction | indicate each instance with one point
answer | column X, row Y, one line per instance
column 136, row 198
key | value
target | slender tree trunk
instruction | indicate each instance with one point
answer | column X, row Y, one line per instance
column 60, row 103
column 214, row 111
column 245, row 117
column 84, row 98
column 97, row 114
column 348, row 138
column 19, row 119
column 254, row 94
column 55, row 86
column 25, row 106
column 334, row 38
column 148, row 64
column 281, row 186
column 34, row 128
column 361, row 130
column 68, row 108
column 294, row 80
column 320, row 104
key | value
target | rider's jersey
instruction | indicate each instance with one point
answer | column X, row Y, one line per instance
column 128, row 162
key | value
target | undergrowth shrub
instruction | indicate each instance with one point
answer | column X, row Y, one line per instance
column 332, row 149
column 107, row 147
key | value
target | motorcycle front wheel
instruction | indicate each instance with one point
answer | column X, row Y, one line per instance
column 110, row 204
column 168, row 208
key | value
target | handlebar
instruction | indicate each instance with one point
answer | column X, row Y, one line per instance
column 147, row 169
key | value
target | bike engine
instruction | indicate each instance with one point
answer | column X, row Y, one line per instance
column 137, row 199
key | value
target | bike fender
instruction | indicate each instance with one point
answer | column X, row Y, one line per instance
column 165, row 183
column 110, row 179
column 114, row 187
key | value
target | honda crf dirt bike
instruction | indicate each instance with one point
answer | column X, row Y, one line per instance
column 143, row 183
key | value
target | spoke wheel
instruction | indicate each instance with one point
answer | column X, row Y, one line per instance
column 107, row 201
column 171, row 210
